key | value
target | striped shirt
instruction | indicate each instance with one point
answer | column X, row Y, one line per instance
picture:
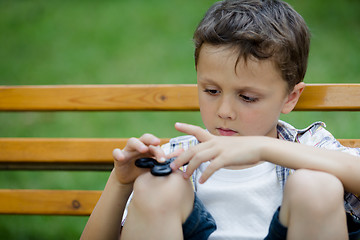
column 315, row 135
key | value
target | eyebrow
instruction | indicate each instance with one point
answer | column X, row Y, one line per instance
column 207, row 80
column 258, row 91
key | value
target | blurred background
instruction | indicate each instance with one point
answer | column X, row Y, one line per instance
column 135, row 42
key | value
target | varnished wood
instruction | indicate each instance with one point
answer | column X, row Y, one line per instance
column 330, row 97
column 176, row 97
column 98, row 98
column 353, row 143
column 59, row 153
column 70, row 153
column 48, row 202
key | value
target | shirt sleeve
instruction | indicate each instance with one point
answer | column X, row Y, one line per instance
column 318, row 136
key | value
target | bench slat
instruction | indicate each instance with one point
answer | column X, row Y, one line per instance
column 330, row 97
column 59, row 153
column 160, row 97
column 48, row 202
column 98, row 98
column 69, row 154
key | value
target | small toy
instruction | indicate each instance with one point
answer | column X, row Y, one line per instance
column 157, row 168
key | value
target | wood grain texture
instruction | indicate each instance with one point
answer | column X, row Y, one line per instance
column 48, row 202
column 59, row 153
column 330, row 97
column 162, row 97
column 98, row 98
column 70, row 153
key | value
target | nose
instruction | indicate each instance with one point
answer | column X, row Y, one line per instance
column 226, row 109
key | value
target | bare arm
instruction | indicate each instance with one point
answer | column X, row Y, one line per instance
column 243, row 151
column 293, row 155
column 105, row 220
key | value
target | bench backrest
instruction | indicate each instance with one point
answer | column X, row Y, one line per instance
column 81, row 153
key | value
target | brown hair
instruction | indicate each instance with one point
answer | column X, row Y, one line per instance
column 264, row 29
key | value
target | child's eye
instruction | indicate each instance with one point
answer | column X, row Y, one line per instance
column 212, row 91
column 248, row 99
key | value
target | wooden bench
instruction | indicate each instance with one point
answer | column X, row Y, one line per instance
column 95, row 154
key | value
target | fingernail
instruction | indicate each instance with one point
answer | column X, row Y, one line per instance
column 172, row 165
column 116, row 153
column 143, row 149
column 201, row 180
column 185, row 175
column 162, row 159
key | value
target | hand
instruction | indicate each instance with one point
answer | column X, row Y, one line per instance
column 219, row 150
column 146, row 146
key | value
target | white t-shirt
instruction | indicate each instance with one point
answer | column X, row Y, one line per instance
column 242, row 202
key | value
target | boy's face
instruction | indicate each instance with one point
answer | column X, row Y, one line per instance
column 242, row 101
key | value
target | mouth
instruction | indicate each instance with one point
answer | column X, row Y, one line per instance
column 226, row 132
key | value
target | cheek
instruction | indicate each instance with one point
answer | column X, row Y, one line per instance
column 207, row 114
column 259, row 121
column 206, row 104
column 269, row 111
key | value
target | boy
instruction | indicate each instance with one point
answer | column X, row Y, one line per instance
column 250, row 58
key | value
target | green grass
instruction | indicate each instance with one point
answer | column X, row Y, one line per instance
column 138, row 41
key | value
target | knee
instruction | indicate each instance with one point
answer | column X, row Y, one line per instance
column 158, row 193
column 315, row 191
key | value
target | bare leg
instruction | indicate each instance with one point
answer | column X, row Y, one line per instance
column 313, row 206
column 159, row 207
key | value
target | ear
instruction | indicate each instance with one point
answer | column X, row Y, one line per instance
column 293, row 98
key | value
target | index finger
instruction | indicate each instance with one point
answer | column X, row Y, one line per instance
column 201, row 134
column 158, row 153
